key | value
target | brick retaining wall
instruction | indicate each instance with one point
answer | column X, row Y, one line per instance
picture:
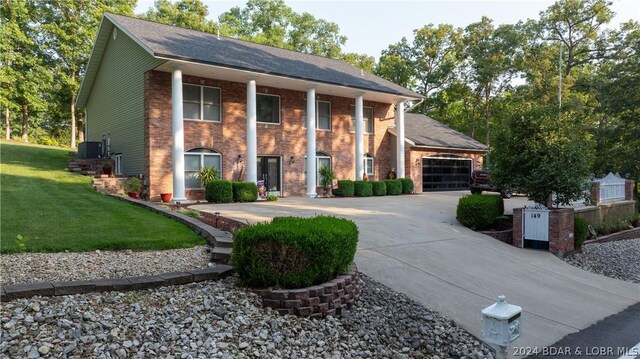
column 316, row 301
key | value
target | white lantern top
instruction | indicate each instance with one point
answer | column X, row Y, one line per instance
column 501, row 310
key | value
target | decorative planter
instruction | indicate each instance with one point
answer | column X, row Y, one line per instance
column 166, row 197
column 133, row 195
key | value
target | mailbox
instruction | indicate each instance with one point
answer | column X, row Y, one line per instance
column 501, row 322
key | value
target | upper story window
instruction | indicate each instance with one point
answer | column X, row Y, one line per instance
column 367, row 118
column 195, row 160
column 323, row 115
column 268, row 108
column 201, row 103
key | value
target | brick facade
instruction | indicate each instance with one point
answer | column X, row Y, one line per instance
column 283, row 140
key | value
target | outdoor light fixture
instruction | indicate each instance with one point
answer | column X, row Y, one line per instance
column 239, row 159
column 292, row 160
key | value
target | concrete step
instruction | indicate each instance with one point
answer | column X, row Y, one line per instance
column 221, row 255
column 88, row 173
column 224, row 242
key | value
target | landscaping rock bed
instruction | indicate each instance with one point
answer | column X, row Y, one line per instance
column 216, row 319
column 615, row 259
column 49, row 267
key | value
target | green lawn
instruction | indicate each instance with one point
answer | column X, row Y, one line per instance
column 58, row 210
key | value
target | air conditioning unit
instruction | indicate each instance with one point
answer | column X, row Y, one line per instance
column 90, row 149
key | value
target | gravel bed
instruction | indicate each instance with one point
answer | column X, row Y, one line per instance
column 218, row 319
column 47, row 267
column 616, row 259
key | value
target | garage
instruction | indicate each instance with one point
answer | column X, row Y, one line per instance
column 449, row 173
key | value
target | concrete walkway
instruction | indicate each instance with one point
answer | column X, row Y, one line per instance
column 414, row 245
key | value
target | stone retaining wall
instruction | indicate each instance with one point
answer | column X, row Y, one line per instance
column 316, row 301
column 628, row 234
column 607, row 212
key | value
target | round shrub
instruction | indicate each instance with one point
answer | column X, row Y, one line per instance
column 362, row 189
column 345, row 189
column 245, row 191
column 407, row 185
column 394, row 187
column 580, row 231
column 479, row 211
column 218, row 191
column 379, row 188
column 292, row 252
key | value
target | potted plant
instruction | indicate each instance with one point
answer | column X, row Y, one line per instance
column 133, row 186
column 208, row 174
column 166, row 197
column 326, row 179
column 106, row 167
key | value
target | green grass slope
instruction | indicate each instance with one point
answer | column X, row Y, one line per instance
column 57, row 210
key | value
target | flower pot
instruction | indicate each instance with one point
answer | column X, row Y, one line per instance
column 166, row 197
column 133, row 195
column 106, row 171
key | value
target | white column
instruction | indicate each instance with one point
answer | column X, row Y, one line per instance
column 311, row 143
column 177, row 135
column 400, row 139
column 252, row 137
column 359, row 139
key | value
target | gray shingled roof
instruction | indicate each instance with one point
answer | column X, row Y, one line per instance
column 194, row 46
column 425, row 131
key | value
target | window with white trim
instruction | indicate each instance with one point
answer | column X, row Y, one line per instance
column 367, row 118
column 201, row 103
column 322, row 159
column 368, row 165
column 268, row 108
column 323, row 116
column 195, row 160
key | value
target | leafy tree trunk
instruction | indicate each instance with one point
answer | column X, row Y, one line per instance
column 80, row 130
column 7, row 124
column 73, row 122
column 25, row 123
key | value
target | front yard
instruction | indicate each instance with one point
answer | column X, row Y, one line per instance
column 54, row 210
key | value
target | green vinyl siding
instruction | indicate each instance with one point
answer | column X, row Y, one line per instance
column 116, row 101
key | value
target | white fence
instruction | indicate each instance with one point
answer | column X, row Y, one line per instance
column 611, row 188
column 536, row 223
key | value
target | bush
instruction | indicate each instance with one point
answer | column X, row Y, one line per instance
column 503, row 223
column 272, row 197
column 379, row 188
column 407, row 185
column 394, row 187
column 580, row 231
column 345, row 189
column 293, row 252
column 218, row 191
column 132, row 185
column 608, row 227
column 479, row 211
column 190, row 213
column 362, row 189
column 244, row 191
column 208, row 174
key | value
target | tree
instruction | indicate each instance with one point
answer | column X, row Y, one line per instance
column 576, row 24
column 362, row 61
column 69, row 28
column 395, row 64
column 189, row 14
column 25, row 72
column 491, row 55
column 544, row 155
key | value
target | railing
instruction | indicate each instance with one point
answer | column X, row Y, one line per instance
column 612, row 188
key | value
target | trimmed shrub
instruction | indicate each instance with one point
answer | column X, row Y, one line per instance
column 379, row 188
column 407, row 185
column 345, row 189
column 362, row 189
column 218, row 191
column 292, row 252
column 479, row 211
column 503, row 223
column 245, row 191
column 394, row 187
column 580, row 231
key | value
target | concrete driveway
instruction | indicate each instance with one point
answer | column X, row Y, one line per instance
column 414, row 245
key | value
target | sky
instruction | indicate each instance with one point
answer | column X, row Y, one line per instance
column 371, row 26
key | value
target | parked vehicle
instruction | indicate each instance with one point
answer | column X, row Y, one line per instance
column 480, row 182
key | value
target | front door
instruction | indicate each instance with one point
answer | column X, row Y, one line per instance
column 269, row 172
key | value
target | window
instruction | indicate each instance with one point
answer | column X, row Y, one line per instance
column 118, row 163
column 367, row 118
column 201, row 103
column 268, row 108
column 322, row 159
column 368, row 165
column 323, row 115
column 195, row 160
